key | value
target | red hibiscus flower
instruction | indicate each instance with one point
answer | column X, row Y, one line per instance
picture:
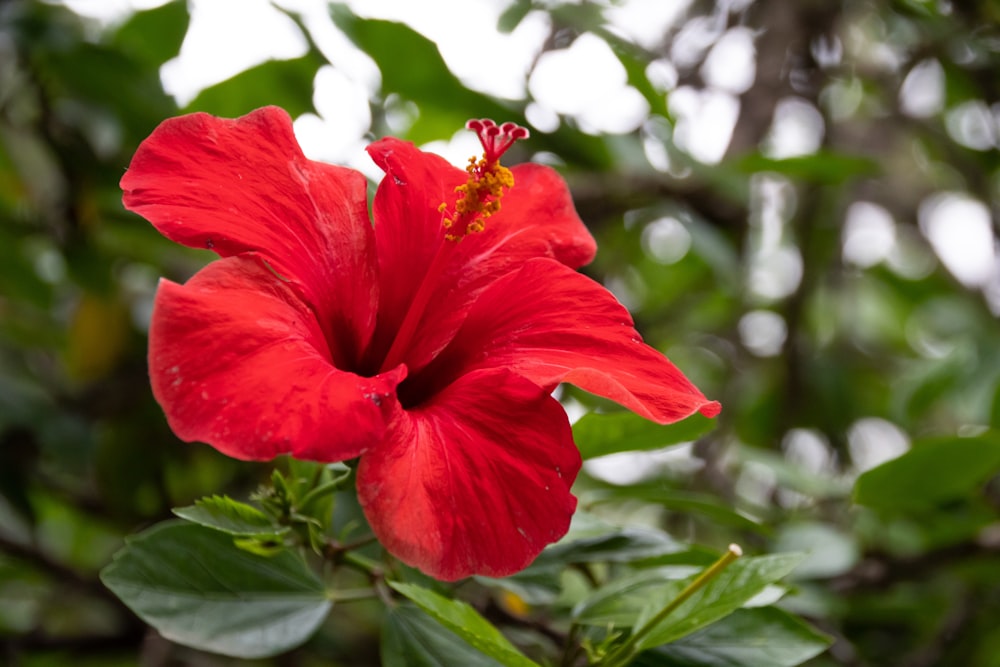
column 427, row 343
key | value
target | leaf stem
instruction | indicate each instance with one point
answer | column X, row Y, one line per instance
column 352, row 594
column 625, row 652
column 356, row 560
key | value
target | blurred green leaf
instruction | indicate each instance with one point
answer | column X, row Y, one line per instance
column 578, row 16
column 761, row 637
column 698, row 504
column 196, row 588
column 466, row 622
column 412, row 67
column 411, row 638
column 824, row 166
column 829, row 552
column 19, row 279
column 622, row 545
column 513, row 15
column 931, row 473
column 229, row 516
column 635, row 63
column 155, row 35
column 284, row 83
column 100, row 79
column 995, row 409
column 538, row 584
column 601, row 434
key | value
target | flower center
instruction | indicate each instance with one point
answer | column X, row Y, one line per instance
column 479, row 197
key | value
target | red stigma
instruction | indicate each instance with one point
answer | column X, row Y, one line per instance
column 496, row 139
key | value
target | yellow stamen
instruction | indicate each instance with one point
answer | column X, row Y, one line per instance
column 479, row 197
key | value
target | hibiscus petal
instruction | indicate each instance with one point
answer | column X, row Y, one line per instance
column 475, row 482
column 536, row 219
column 238, row 360
column 551, row 324
column 235, row 186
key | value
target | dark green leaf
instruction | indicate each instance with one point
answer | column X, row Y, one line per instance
column 995, row 409
column 600, row 434
column 196, row 588
column 18, row 280
column 411, row 638
column 762, row 637
column 466, row 622
column 103, row 79
column 932, row 472
column 155, row 36
column 229, row 516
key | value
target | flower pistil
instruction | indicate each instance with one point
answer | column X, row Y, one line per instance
column 479, row 197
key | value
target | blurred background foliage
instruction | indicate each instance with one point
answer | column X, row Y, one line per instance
column 802, row 215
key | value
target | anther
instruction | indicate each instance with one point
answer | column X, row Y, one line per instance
column 479, row 197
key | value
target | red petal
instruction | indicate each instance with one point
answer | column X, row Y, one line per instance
column 537, row 219
column 475, row 482
column 551, row 324
column 237, row 360
column 242, row 185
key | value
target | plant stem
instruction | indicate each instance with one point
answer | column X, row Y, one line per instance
column 625, row 652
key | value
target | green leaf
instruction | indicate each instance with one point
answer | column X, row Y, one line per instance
column 995, row 409
column 445, row 103
column 600, row 434
column 829, row 551
column 821, row 167
column 763, row 637
column 624, row 602
column 622, row 545
column 285, row 83
column 713, row 509
column 105, row 79
column 931, row 473
column 535, row 585
column 540, row 583
column 730, row 590
column 511, row 17
column 196, row 588
column 635, row 62
column 466, row 622
column 154, row 36
column 229, row 516
column 411, row 638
